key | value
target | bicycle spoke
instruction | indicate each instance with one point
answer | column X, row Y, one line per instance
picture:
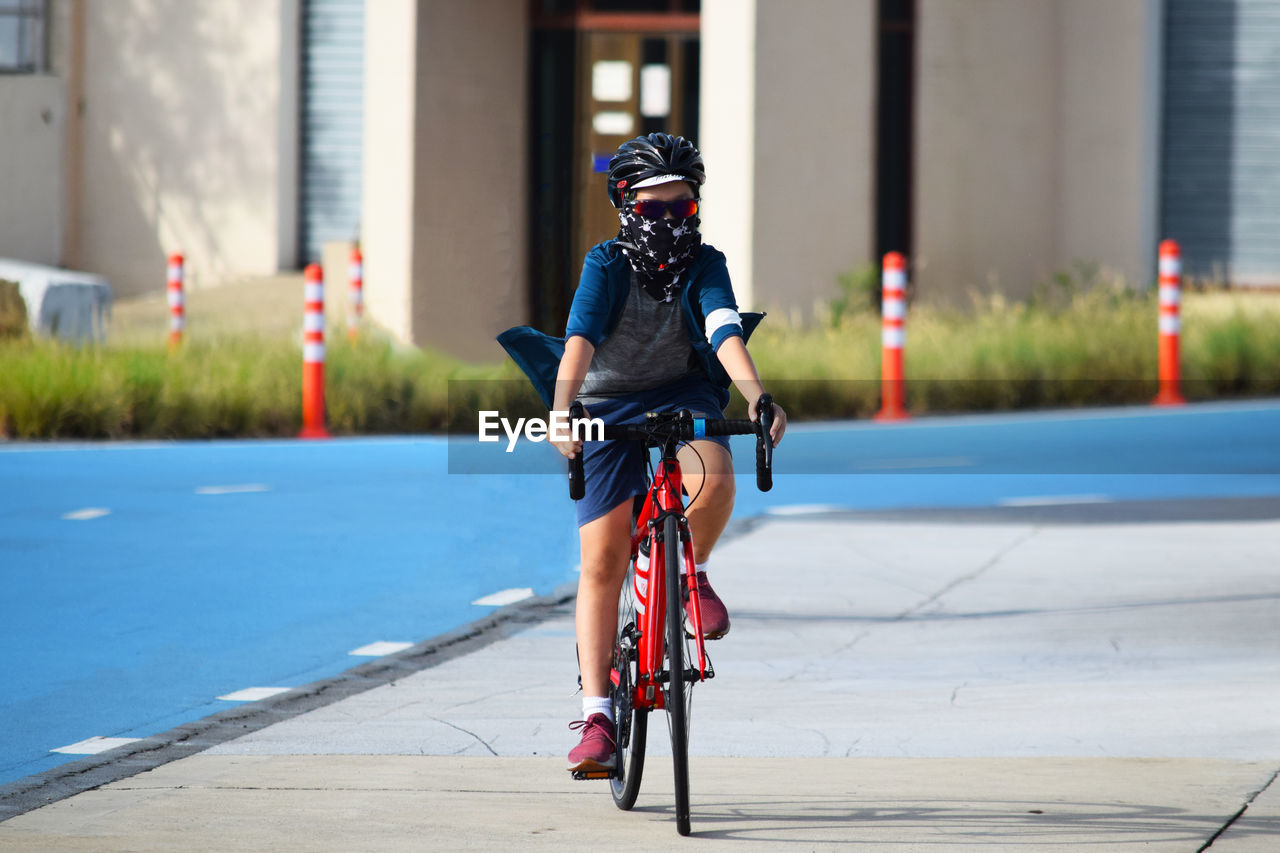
column 631, row 722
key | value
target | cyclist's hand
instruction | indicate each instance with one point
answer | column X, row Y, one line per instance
column 779, row 425
column 570, row 449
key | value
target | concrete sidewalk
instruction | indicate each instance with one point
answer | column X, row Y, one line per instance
column 912, row 685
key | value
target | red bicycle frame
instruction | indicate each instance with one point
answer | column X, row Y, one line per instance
column 664, row 498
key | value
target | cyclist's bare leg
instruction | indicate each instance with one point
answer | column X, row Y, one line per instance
column 605, row 548
column 710, row 513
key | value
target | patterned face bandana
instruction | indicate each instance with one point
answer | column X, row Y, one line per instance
column 659, row 250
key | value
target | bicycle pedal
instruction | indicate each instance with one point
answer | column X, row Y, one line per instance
column 584, row 775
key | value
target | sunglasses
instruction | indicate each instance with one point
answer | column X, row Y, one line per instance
column 653, row 209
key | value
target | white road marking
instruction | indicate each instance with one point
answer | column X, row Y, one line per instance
column 94, row 745
column 1057, row 500
column 803, row 509
column 506, row 596
column 380, row 648
column 938, row 462
column 87, row 514
column 253, row 694
column 233, row 490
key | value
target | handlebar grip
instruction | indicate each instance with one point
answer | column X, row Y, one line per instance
column 577, row 477
column 726, row 426
column 764, row 444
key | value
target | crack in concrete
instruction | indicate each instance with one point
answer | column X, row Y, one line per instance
column 971, row 576
column 937, row 596
column 810, row 664
column 481, row 740
column 1235, row 817
column 486, row 697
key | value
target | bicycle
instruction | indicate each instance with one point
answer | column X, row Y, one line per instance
column 652, row 660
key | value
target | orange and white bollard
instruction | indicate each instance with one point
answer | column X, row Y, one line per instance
column 177, row 303
column 355, row 302
column 313, row 356
column 893, row 314
column 1170, row 325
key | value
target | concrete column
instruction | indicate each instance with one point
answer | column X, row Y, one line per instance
column 727, row 124
column 446, row 202
column 471, row 209
column 288, row 138
column 788, row 130
column 390, row 168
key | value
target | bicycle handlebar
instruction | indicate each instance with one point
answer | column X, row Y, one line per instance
column 682, row 426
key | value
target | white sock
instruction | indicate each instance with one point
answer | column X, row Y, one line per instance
column 702, row 567
column 597, row 705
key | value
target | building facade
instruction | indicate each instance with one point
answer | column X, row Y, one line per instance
column 994, row 142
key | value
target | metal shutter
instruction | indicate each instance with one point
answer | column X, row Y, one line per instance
column 1220, row 173
column 332, row 123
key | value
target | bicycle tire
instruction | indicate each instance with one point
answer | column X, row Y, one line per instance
column 632, row 722
column 677, row 715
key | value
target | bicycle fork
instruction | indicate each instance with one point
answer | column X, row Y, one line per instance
column 652, row 677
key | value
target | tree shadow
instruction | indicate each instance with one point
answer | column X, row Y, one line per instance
column 179, row 105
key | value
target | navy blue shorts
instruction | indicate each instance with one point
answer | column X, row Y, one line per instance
column 616, row 471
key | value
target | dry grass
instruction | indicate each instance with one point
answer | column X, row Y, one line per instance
column 239, row 370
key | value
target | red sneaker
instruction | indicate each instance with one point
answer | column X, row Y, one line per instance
column 596, row 751
column 715, row 618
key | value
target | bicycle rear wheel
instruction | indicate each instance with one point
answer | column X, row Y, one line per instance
column 632, row 722
column 677, row 689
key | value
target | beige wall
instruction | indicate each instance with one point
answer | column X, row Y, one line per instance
column 1110, row 136
column 180, row 145
column 815, row 149
column 33, row 110
column 1034, row 142
column 445, row 172
column 788, row 135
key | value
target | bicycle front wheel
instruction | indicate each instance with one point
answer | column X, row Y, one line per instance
column 677, row 689
column 631, row 722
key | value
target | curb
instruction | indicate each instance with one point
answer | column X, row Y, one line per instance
column 76, row 777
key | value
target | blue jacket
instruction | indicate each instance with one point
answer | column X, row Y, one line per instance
column 597, row 306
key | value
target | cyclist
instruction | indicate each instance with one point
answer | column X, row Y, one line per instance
column 653, row 327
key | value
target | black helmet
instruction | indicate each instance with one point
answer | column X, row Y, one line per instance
column 653, row 156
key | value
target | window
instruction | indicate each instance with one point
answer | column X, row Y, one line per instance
column 22, row 36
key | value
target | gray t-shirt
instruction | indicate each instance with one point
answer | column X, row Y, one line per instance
column 648, row 348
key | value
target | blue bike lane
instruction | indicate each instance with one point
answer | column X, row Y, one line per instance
column 143, row 581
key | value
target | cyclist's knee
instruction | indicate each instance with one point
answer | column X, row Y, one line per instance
column 606, row 545
column 605, row 562
column 718, row 490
